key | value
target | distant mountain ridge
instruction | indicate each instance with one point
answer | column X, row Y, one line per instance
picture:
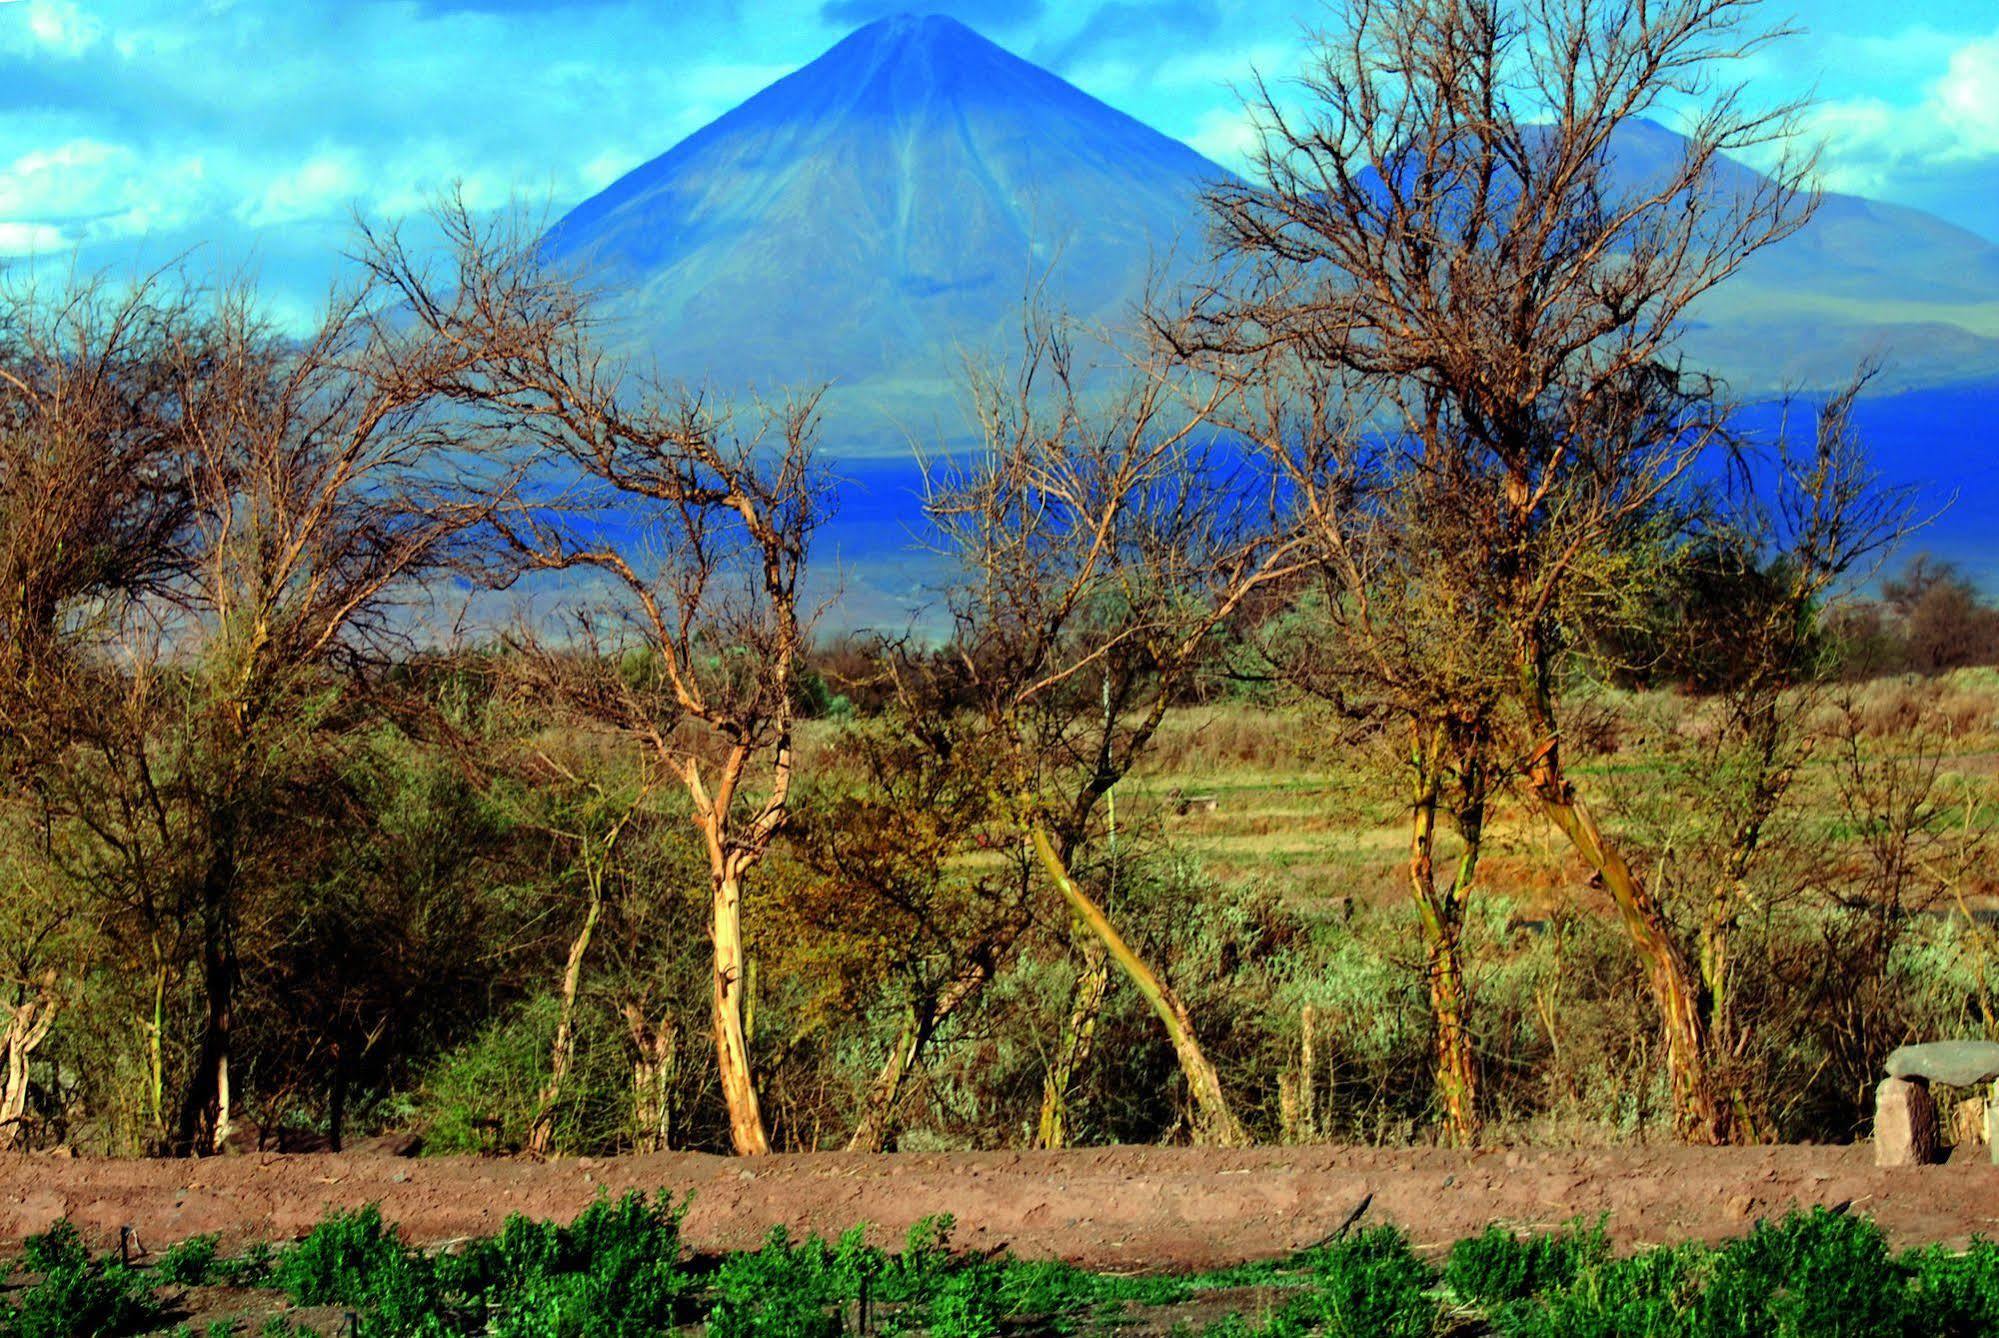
column 878, row 215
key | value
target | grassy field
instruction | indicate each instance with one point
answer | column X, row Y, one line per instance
column 1309, row 803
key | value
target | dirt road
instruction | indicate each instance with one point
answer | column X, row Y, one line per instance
column 1110, row 1208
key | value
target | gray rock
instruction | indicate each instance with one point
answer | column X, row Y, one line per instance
column 1953, row 1063
column 1905, row 1124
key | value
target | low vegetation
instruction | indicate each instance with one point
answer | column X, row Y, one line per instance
column 620, row 1269
column 1382, row 699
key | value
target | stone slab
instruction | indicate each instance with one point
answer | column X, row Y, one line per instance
column 1952, row 1063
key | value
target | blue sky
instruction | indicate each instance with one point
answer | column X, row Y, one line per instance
column 254, row 128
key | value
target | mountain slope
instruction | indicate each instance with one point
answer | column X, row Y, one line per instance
column 878, row 215
column 1862, row 281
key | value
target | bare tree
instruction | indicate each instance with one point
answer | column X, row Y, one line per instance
column 1760, row 585
column 696, row 659
column 288, row 498
column 596, row 845
column 95, row 511
column 700, row 533
column 1102, row 547
column 1446, row 223
column 94, row 488
column 1388, row 636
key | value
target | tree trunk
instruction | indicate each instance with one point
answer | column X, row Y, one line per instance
column 1717, row 961
column 204, row 1112
column 1454, row 1069
column 878, row 1111
column 1214, row 1121
column 1308, row 1070
column 885, row 1093
column 223, row 1104
column 652, row 1079
column 1699, row 1115
column 336, row 1102
column 156, row 1045
column 1077, row 1041
column 562, row 1054
column 27, row 1027
column 732, row 1050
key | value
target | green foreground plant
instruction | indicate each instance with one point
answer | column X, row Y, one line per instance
column 620, row 1269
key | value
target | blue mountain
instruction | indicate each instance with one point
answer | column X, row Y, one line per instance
column 876, row 217
column 1863, row 281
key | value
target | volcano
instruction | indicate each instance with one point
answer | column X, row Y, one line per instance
column 877, row 217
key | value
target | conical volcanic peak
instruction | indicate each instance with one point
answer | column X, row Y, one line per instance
column 878, row 215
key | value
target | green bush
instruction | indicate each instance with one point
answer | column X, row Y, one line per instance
column 59, row 1248
column 356, row 1260
column 970, row 1304
column 341, row 1261
column 76, row 1295
column 1814, row 1275
column 783, row 1290
column 802, row 1289
column 614, row 1270
column 483, row 1095
column 1647, row 1296
column 925, row 1262
column 1953, row 1295
column 1371, row 1285
column 188, row 1263
column 1500, row 1267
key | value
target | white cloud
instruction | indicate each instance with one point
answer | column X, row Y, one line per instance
column 1968, row 96
column 86, row 191
column 1898, row 134
column 21, row 239
column 1225, row 136
column 121, row 120
column 322, row 184
column 258, row 126
column 62, row 27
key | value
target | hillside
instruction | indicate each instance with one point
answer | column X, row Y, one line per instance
column 877, row 216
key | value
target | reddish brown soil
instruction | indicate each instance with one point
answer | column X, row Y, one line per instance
column 1109, row 1208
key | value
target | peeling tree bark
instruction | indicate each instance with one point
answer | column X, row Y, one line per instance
column 652, row 1079
column 562, row 1053
column 27, row 1027
column 732, row 1047
column 1699, row 1115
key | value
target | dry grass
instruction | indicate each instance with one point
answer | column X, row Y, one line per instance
column 1307, row 807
